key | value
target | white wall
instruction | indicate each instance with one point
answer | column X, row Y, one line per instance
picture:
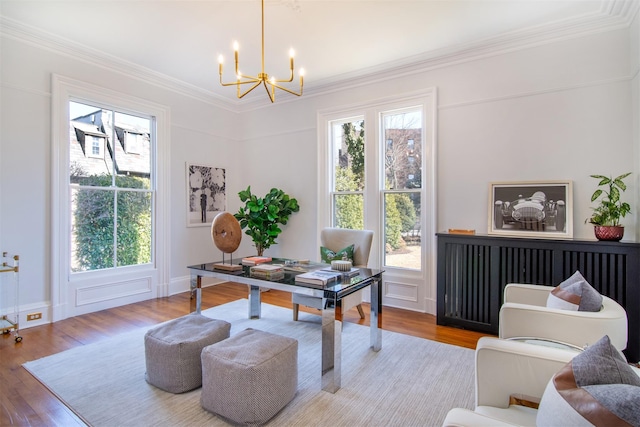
column 560, row 110
column 200, row 132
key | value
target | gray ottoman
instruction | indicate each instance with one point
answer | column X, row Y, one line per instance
column 249, row 377
column 172, row 351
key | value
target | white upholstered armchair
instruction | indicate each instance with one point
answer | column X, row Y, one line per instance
column 337, row 239
column 505, row 369
column 524, row 314
column 520, row 384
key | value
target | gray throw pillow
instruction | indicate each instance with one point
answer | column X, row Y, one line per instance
column 597, row 387
column 575, row 294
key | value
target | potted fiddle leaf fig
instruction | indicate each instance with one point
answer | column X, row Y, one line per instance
column 607, row 214
column 262, row 216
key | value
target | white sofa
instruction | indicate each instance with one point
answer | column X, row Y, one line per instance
column 524, row 314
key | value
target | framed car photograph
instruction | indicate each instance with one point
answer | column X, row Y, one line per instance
column 542, row 209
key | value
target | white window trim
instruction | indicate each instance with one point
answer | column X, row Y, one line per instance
column 371, row 110
column 65, row 89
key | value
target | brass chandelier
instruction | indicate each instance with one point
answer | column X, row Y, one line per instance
column 269, row 83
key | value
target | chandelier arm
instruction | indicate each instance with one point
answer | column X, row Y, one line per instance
column 286, row 90
column 244, row 82
column 286, row 81
column 272, row 93
column 240, row 95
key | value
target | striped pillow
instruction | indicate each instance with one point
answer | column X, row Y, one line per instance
column 575, row 294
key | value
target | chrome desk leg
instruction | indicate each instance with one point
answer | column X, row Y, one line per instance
column 331, row 348
column 375, row 325
column 254, row 302
column 196, row 283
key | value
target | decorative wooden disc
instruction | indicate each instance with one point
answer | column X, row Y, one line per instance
column 226, row 232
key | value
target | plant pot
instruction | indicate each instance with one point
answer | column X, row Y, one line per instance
column 608, row 232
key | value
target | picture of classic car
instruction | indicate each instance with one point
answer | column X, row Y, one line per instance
column 531, row 213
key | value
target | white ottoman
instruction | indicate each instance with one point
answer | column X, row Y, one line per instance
column 249, row 377
column 172, row 351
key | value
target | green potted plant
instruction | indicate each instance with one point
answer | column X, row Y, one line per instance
column 606, row 216
column 262, row 216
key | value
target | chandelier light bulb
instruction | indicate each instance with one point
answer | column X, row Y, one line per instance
column 236, row 46
column 292, row 52
column 220, row 59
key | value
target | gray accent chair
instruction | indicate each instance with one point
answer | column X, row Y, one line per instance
column 336, row 239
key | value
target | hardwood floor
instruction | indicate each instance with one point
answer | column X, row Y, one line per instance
column 25, row 402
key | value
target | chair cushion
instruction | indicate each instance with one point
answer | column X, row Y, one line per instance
column 575, row 294
column 597, row 386
column 327, row 255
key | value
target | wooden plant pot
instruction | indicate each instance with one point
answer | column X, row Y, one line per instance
column 609, row 232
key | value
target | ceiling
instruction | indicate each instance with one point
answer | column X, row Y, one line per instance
column 334, row 40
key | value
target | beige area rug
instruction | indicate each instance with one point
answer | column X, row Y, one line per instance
column 410, row 382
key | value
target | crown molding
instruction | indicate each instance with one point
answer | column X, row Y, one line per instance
column 44, row 40
column 613, row 15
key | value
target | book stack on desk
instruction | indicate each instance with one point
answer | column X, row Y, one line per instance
column 256, row 260
column 320, row 278
column 351, row 272
column 267, row 272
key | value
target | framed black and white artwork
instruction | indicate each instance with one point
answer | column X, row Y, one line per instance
column 206, row 194
column 531, row 209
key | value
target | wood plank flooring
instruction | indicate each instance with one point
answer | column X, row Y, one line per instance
column 26, row 402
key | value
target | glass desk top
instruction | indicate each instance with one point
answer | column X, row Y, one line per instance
column 344, row 285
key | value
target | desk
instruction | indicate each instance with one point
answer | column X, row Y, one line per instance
column 333, row 294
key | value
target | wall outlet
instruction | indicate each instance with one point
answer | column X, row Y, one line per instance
column 34, row 316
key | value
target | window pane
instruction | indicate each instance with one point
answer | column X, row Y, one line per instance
column 134, row 228
column 92, row 229
column 347, row 139
column 132, row 152
column 402, row 230
column 348, row 211
column 347, row 142
column 403, row 149
column 88, row 145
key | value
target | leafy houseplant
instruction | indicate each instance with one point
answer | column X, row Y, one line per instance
column 262, row 216
column 606, row 216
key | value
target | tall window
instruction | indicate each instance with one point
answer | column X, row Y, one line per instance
column 402, row 187
column 111, row 204
column 347, row 195
column 377, row 172
column 397, row 190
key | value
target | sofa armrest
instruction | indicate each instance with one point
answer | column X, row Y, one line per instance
column 511, row 368
column 527, row 294
column 579, row 328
